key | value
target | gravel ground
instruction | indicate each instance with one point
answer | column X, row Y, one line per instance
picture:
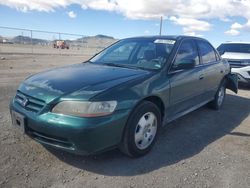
column 205, row 148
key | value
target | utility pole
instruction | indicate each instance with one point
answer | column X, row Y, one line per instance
column 22, row 39
column 31, row 38
column 160, row 25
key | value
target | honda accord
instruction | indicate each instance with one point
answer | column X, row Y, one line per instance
column 121, row 97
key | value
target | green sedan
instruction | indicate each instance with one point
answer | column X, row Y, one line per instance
column 121, row 97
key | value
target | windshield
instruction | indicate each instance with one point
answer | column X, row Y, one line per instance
column 238, row 48
column 136, row 53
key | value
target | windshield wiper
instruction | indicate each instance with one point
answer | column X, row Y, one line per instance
column 120, row 65
column 127, row 66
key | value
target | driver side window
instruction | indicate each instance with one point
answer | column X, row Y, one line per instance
column 186, row 53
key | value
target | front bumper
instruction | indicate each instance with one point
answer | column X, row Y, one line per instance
column 74, row 134
column 243, row 74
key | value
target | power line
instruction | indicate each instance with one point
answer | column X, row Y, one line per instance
column 40, row 31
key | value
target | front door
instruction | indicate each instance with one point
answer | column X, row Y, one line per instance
column 186, row 84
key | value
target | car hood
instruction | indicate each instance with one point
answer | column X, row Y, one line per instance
column 81, row 80
column 234, row 55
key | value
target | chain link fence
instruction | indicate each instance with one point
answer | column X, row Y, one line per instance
column 26, row 41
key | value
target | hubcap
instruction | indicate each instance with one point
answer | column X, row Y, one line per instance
column 145, row 130
column 221, row 95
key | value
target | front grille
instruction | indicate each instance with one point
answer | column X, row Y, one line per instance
column 237, row 63
column 234, row 61
column 48, row 139
column 29, row 103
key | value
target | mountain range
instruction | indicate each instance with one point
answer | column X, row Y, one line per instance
column 88, row 39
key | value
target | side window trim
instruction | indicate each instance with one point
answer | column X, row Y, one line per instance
column 218, row 57
column 173, row 60
column 194, row 45
column 199, row 54
column 201, row 60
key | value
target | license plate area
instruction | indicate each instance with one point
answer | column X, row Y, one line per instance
column 18, row 121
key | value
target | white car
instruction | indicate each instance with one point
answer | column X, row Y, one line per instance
column 238, row 56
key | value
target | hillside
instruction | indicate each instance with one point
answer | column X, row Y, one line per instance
column 27, row 40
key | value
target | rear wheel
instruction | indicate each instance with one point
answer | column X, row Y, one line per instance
column 141, row 130
column 219, row 97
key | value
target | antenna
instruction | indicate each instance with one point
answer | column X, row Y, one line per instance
column 160, row 25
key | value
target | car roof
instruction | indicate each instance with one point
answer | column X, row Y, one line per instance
column 171, row 37
column 236, row 42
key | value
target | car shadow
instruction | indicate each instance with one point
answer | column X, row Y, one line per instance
column 178, row 141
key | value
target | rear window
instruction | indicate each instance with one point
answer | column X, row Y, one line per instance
column 235, row 47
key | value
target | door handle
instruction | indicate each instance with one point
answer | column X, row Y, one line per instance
column 201, row 77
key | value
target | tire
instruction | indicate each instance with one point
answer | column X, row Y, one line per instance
column 219, row 98
column 141, row 130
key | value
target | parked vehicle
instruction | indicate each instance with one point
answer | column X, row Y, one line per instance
column 238, row 56
column 61, row 44
column 123, row 95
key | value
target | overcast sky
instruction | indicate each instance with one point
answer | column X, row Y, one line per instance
column 216, row 20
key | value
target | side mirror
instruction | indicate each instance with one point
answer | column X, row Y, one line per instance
column 185, row 64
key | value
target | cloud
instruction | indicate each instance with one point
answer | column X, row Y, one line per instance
column 100, row 4
column 192, row 15
column 245, row 26
column 38, row 5
column 191, row 25
column 232, row 32
column 237, row 27
column 72, row 14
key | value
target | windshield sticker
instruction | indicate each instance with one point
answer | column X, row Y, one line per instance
column 164, row 41
column 158, row 66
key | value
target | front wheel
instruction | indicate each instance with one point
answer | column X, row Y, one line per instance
column 141, row 130
column 219, row 97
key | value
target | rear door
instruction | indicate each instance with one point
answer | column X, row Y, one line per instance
column 186, row 85
column 212, row 66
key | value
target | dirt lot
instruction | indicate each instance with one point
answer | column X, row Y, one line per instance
column 203, row 149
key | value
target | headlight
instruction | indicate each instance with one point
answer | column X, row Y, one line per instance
column 85, row 109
